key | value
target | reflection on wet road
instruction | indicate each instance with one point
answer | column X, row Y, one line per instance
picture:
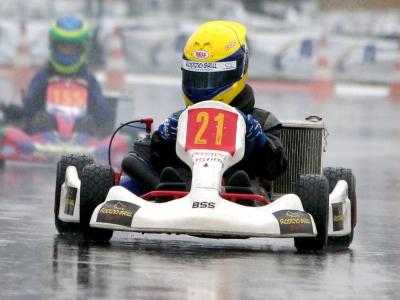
column 364, row 135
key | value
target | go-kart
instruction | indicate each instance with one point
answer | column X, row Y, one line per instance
column 66, row 106
column 211, row 138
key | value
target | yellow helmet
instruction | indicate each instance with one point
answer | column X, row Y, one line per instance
column 215, row 62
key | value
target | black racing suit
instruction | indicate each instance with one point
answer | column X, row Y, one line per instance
column 266, row 163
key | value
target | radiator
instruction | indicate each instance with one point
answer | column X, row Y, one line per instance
column 304, row 143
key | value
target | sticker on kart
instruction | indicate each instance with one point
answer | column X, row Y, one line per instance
column 117, row 212
column 211, row 129
column 293, row 221
column 70, row 200
column 67, row 97
column 338, row 217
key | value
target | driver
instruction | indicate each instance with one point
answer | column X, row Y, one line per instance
column 69, row 42
column 223, row 42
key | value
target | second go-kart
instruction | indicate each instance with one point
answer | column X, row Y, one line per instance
column 66, row 107
column 211, row 138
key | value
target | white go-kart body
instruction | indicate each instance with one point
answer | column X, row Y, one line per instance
column 210, row 139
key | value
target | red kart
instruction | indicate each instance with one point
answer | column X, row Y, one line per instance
column 66, row 106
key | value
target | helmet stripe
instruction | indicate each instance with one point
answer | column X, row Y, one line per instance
column 70, row 35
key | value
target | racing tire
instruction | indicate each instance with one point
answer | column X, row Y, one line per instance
column 313, row 191
column 79, row 161
column 334, row 175
column 95, row 183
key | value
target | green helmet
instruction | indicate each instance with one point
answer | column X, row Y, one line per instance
column 69, row 41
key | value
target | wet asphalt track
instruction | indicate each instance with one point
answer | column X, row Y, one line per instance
column 364, row 135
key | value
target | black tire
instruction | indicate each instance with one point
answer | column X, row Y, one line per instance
column 95, row 184
column 334, row 175
column 313, row 191
column 79, row 161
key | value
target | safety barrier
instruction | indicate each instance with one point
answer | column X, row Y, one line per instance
column 325, row 69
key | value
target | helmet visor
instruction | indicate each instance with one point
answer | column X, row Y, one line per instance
column 210, row 75
column 68, row 48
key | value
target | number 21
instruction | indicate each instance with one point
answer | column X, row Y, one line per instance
column 203, row 118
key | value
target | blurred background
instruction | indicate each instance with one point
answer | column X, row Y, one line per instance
column 290, row 41
column 333, row 58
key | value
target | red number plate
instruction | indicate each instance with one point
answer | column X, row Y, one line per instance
column 67, row 94
column 211, row 129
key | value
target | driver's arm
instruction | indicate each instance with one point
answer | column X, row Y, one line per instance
column 269, row 162
column 163, row 142
column 34, row 98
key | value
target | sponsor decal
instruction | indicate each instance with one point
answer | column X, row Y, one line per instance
column 230, row 44
column 293, row 221
column 208, row 154
column 201, row 54
column 337, row 216
column 203, row 204
column 117, row 212
column 70, row 200
column 208, row 157
column 196, row 66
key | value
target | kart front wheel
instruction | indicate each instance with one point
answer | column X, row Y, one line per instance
column 313, row 191
column 334, row 175
column 79, row 161
column 95, row 184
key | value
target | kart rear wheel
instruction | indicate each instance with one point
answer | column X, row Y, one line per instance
column 313, row 191
column 334, row 175
column 95, row 184
column 79, row 161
